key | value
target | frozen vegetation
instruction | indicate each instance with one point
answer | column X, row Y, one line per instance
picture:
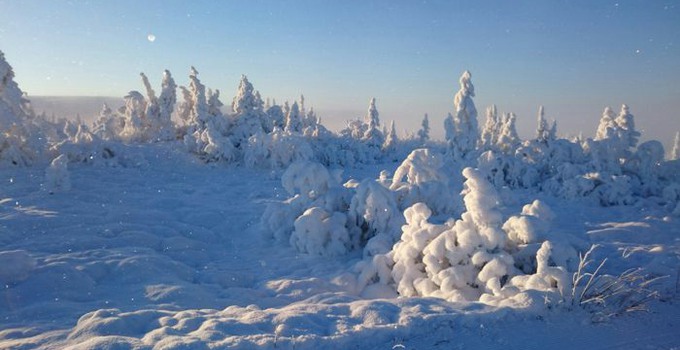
column 182, row 222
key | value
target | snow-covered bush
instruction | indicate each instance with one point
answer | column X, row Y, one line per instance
column 327, row 218
column 421, row 178
column 374, row 218
column 319, row 232
column 56, row 176
column 531, row 225
column 473, row 258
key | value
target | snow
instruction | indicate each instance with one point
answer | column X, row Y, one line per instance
column 262, row 229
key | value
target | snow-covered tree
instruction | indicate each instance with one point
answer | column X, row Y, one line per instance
column 424, row 132
column 134, row 117
column 465, row 130
column 199, row 104
column 675, row 154
column 607, row 126
column 185, row 107
column 20, row 141
column 626, row 129
column 543, row 133
column 372, row 118
column 108, row 125
column 244, row 102
column 373, row 137
column 390, row 139
column 293, row 119
column 166, row 101
column 248, row 113
column 508, row 139
column 491, row 129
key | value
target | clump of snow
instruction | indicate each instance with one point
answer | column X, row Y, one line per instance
column 319, row 232
column 56, row 176
column 421, row 178
column 531, row 225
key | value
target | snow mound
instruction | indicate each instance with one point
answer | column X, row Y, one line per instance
column 15, row 266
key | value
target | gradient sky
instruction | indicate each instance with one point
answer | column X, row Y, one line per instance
column 573, row 57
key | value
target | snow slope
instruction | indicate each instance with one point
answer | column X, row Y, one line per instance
column 168, row 254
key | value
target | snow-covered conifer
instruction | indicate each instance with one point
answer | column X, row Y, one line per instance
column 244, row 101
column 542, row 130
column 199, row 108
column 424, row 132
column 135, row 106
column 675, row 153
column 293, row 120
column 166, row 102
column 465, row 118
column 390, row 138
column 607, row 126
column 552, row 133
column 373, row 137
column 489, row 135
column 372, row 118
column 626, row 128
column 508, row 139
column 20, row 141
column 108, row 125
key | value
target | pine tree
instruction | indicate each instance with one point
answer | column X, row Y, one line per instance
column 166, row 102
column 244, row 101
column 542, row 130
column 675, row 155
column 293, row 120
column 465, row 118
column 607, row 126
column 135, row 106
column 372, row 119
column 199, row 108
column 20, row 141
column 508, row 139
column 424, row 132
column 185, row 107
column 489, row 135
column 552, row 133
column 626, row 128
column 373, row 137
column 391, row 138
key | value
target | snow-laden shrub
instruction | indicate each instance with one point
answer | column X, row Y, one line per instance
column 85, row 147
column 531, row 225
column 277, row 150
column 308, row 179
column 327, row 218
column 473, row 258
column 420, row 178
column 310, row 185
column 374, row 218
column 56, row 176
column 319, row 232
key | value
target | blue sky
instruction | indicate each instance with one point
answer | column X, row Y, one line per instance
column 574, row 57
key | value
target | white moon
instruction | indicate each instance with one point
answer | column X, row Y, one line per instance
column 151, row 37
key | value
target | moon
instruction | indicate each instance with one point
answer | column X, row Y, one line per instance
column 151, row 38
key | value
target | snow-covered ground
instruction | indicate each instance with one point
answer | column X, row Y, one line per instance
column 169, row 254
